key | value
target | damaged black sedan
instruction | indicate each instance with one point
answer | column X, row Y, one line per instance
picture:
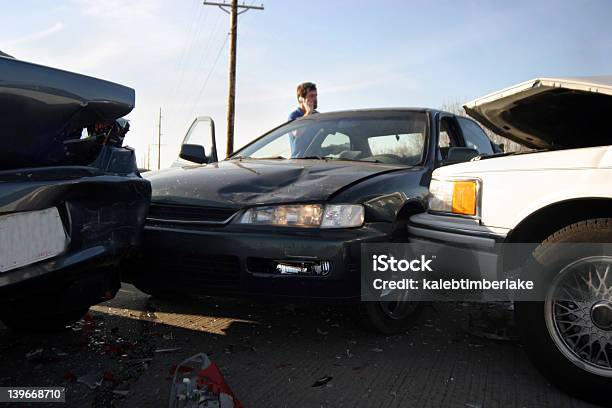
column 71, row 200
column 285, row 215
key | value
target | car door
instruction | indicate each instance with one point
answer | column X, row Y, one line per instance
column 201, row 133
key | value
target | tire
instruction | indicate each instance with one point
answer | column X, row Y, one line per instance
column 552, row 330
column 397, row 315
column 33, row 323
column 377, row 317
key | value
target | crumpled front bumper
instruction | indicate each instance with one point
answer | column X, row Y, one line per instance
column 236, row 261
column 465, row 248
column 102, row 215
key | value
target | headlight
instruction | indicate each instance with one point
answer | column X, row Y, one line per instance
column 307, row 215
column 343, row 216
column 459, row 196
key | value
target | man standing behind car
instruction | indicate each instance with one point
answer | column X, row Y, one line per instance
column 307, row 98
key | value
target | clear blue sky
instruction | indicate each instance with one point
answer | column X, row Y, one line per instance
column 360, row 54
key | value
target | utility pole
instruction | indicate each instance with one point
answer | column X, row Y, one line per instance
column 148, row 157
column 231, row 99
column 159, row 141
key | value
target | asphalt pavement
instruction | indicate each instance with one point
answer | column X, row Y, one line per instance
column 122, row 354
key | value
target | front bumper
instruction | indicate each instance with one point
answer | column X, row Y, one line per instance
column 102, row 216
column 73, row 281
column 236, row 261
column 464, row 248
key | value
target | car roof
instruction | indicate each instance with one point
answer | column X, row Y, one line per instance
column 371, row 112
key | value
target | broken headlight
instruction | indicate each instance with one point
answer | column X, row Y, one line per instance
column 306, row 215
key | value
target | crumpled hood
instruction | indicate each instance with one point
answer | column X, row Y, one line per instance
column 234, row 183
column 549, row 113
column 42, row 109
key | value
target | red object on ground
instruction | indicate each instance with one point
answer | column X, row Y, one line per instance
column 211, row 376
column 196, row 379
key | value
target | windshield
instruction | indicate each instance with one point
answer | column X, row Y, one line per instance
column 394, row 139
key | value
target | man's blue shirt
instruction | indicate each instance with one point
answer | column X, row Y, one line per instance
column 295, row 149
column 293, row 116
column 296, row 114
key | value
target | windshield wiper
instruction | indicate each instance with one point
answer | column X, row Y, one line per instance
column 325, row 158
column 267, row 158
column 313, row 158
column 258, row 158
column 334, row 158
column 355, row 160
column 504, row 154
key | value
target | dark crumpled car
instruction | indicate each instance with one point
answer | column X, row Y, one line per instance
column 72, row 202
column 285, row 215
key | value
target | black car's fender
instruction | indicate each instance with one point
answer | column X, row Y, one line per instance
column 389, row 197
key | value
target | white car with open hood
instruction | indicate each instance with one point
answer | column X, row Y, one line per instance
column 554, row 197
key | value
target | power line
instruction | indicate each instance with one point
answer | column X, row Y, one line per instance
column 205, row 54
column 192, row 29
column 159, row 141
column 197, row 100
column 194, row 40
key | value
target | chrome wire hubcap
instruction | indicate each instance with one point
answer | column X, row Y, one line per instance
column 578, row 312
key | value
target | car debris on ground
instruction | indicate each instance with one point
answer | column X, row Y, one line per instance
column 198, row 382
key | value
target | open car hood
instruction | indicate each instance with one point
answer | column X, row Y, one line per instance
column 44, row 110
column 549, row 113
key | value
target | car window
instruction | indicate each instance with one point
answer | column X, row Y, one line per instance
column 335, row 143
column 399, row 145
column 444, row 140
column 279, row 147
column 447, row 138
column 200, row 133
column 475, row 137
column 394, row 138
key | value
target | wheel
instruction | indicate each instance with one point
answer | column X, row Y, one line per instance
column 41, row 322
column 397, row 313
column 568, row 336
column 390, row 317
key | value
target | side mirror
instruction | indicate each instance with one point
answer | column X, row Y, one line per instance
column 193, row 153
column 459, row 155
column 201, row 133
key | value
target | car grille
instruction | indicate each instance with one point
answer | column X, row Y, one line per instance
column 189, row 214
